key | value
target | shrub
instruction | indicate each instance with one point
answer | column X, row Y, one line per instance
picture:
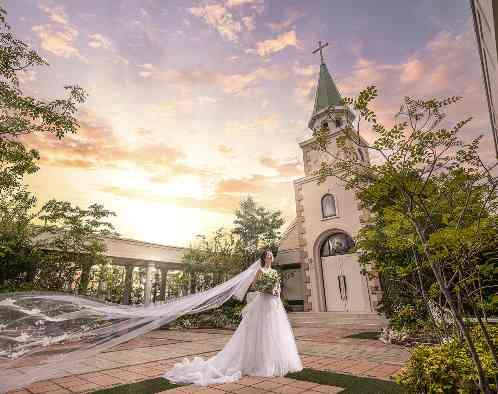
column 448, row 367
column 226, row 316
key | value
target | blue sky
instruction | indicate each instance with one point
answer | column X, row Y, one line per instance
column 195, row 104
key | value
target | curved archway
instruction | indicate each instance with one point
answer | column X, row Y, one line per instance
column 317, row 258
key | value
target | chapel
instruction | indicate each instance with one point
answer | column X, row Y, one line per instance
column 321, row 272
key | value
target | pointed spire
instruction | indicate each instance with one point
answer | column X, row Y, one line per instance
column 327, row 94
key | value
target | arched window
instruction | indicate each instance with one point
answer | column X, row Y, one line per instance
column 328, row 206
column 338, row 122
column 338, row 243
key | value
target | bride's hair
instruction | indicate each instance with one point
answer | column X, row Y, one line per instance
column 263, row 256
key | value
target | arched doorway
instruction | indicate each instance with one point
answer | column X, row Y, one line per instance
column 344, row 287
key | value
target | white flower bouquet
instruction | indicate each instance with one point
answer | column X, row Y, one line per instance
column 268, row 282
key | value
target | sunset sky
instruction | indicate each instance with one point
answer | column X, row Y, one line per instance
column 194, row 105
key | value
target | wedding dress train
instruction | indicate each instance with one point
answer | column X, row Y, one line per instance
column 35, row 326
column 262, row 345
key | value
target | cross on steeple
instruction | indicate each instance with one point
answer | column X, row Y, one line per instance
column 320, row 47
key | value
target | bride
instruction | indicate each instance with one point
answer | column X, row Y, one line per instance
column 35, row 326
column 262, row 345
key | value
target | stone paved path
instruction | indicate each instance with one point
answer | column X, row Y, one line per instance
column 321, row 346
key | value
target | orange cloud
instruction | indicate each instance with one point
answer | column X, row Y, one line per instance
column 254, row 184
column 277, row 44
column 219, row 202
column 225, row 150
column 98, row 147
column 287, row 169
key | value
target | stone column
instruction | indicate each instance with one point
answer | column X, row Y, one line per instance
column 164, row 275
column 148, row 282
column 128, row 284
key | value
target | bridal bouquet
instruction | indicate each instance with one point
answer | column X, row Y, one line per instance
column 268, row 282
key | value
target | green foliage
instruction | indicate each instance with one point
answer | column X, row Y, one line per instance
column 227, row 316
column 433, row 230
column 351, row 384
column 448, row 367
column 225, row 253
column 51, row 247
column 257, row 228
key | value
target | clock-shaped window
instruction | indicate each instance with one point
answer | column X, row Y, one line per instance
column 338, row 243
column 328, row 206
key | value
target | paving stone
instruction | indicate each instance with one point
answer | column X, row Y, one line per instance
column 252, row 390
column 85, row 387
column 288, row 389
column 43, row 387
column 231, row 387
column 250, row 380
column 101, row 379
column 322, row 345
column 303, row 384
column 326, row 389
column 60, row 391
column 267, row 385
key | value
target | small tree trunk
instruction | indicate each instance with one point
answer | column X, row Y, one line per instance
column 85, row 275
column 483, row 381
column 488, row 339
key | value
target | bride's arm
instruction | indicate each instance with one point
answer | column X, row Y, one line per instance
column 258, row 275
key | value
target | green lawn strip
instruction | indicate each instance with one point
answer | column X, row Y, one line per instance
column 144, row 387
column 365, row 335
column 352, row 384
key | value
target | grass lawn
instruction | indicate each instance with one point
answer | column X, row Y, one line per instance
column 365, row 335
column 352, row 384
column 147, row 386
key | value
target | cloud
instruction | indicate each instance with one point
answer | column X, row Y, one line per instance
column 239, row 83
column 412, row 71
column 234, row 84
column 448, row 65
column 97, row 146
column 260, row 125
column 253, row 184
column 277, row 44
column 248, row 22
column 220, row 18
column 294, row 15
column 56, row 14
column 225, row 150
column 58, row 37
column 97, row 40
column 286, row 169
column 218, row 202
column 59, row 41
column 305, row 71
column 237, row 3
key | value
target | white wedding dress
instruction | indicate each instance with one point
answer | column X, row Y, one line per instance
column 262, row 345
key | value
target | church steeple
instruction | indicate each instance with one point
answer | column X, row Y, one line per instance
column 327, row 94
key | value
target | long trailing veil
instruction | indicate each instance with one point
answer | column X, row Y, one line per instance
column 46, row 334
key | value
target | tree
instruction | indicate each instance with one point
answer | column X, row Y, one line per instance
column 436, row 201
column 21, row 114
column 27, row 256
column 256, row 227
column 76, row 238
